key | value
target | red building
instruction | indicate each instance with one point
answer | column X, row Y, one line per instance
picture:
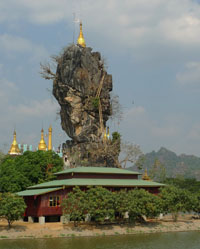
column 43, row 200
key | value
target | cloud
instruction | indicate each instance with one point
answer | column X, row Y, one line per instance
column 132, row 22
column 25, row 114
column 7, row 90
column 191, row 74
column 34, row 109
column 10, row 44
column 173, row 131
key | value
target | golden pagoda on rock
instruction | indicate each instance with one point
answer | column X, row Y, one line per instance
column 81, row 40
column 145, row 176
column 14, row 148
column 42, row 145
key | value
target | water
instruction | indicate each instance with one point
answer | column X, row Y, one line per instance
column 181, row 240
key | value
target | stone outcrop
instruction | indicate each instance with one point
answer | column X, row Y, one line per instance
column 77, row 81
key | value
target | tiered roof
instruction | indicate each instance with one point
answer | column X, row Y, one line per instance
column 54, row 185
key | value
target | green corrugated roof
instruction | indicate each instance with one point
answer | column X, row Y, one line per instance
column 97, row 170
column 97, row 182
column 31, row 192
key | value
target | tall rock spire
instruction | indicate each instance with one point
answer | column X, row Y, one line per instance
column 42, row 144
column 81, row 40
column 14, row 149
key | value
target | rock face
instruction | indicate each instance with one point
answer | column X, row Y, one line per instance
column 79, row 77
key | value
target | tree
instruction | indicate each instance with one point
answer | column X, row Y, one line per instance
column 129, row 154
column 75, row 205
column 175, row 200
column 158, row 171
column 195, row 201
column 17, row 173
column 2, row 156
column 121, row 203
column 12, row 207
column 143, row 203
column 100, row 204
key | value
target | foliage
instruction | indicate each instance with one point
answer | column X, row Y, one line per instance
column 100, row 204
column 195, row 201
column 175, row 200
column 140, row 162
column 75, row 205
column 95, row 102
column 157, row 171
column 2, row 156
column 121, row 203
column 12, row 207
column 143, row 203
column 130, row 153
column 189, row 184
column 31, row 168
column 103, row 205
column 116, row 137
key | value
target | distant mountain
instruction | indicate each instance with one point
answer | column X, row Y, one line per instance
column 182, row 165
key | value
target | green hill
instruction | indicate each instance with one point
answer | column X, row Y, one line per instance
column 175, row 165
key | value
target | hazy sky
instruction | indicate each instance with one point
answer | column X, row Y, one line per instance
column 152, row 49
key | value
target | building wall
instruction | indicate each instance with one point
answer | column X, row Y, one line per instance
column 39, row 205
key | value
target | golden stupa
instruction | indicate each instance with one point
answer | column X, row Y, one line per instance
column 14, row 148
column 42, row 144
column 81, row 40
column 108, row 133
column 145, row 176
column 50, row 138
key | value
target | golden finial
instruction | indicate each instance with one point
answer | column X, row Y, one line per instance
column 50, row 138
column 81, row 40
column 42, row 144
column 108, row 133
column 145, row 176
column 14, row 149
column 105, row 136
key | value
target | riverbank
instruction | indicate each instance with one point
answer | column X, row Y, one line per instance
column 23, row 230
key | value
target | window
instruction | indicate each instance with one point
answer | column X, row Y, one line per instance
column 54, row 201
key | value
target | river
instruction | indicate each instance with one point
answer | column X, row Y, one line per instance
column 177, row 240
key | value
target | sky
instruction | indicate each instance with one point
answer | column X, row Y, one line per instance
column 151, row 48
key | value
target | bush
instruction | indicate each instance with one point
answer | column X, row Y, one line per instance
column 12, row 207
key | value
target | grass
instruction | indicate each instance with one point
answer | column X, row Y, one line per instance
column 47, row 236
column 3, row 237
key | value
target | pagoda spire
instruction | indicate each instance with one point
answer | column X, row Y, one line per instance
column 145, row 176
column 81, row 40
column 14, row 148
column 50, row 138
column 42, row 144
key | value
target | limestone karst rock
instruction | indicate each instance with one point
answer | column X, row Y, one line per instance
column 80, row 72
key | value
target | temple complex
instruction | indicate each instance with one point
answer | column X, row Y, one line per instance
column 82, row 88
column 44, row 200
column 18, row 149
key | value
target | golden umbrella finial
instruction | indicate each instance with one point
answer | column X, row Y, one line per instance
column 81, row 40
column 145, row 176
column 14, row 149
column 42, row 144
